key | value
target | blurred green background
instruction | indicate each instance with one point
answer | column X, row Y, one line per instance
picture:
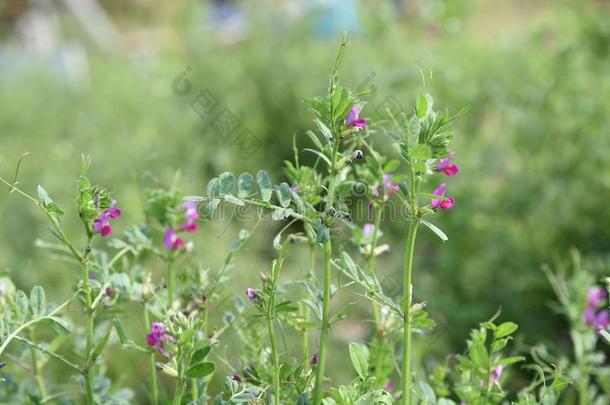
column 100, row 78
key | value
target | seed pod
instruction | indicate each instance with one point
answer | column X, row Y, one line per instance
column 358, row 154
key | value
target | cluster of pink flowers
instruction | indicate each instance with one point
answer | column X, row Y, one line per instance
column 171, row 239
column 599, row 320
column 450, row 169
column 101, row 224
column 389, row 187
column 157, row 338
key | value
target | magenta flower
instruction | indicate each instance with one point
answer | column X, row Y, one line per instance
column 101, row 224
column 389, row 187
column 171, row 240
column 496, row 374
column 353, row 121
column 236, row 378
column 589, row 317
column 191, row 214
column 157, row 338
column 447, row 167
column 388, row 387
column 595, row 296
column 603, row 320
column 368, row 229
column 252, row 295
column 443, row 204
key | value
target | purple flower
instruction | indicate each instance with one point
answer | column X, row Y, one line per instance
column 252, row 295
column 447, row 167
column 589, row 316
column 191, row 214
column 595, row 296
column 443, row 204
column 602, row 320
column 101, row 224
column 109, row 292
column 368, row 229
column 157, row 338
column 353, row 121
column 388, row 387
column 389, row 187
column 236, row 378
column 171, row 240
column 496, row 374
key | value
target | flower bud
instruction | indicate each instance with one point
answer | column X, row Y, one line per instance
column 358, row 154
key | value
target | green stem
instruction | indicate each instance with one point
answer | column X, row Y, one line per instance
column 406, row 351
column 170, row 283
column 179, row 391
column 152, row 368
column 276, row 361
column 375, row 307
column 194, row 390
column 328, row 255
column 36, row 370
column 89, row 332
column 50, row 353
column 306, row 311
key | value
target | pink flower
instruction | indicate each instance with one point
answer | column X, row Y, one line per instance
column 443, row 204
column 236, row 378
column 101, row 224
column 447, row 167
column 589, row 316
column 191, row 214
column 171, row 240
column 389, row 187
column 157, row 338
column 595, row 296
column 496, row 374
column 388, row 387
column 353, row 120
column 367, row 229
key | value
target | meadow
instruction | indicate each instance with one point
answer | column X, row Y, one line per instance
column 233, row 211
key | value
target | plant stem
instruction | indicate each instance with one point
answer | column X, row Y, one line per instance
column 152, row 369
column 179, row 391
column 90, row 325
column 170, row 283
column 276, row 361
column 406, row 350
column 324, row 327
column 376, row 310
column 306, row 312
column 36, row 370
column 328, row 255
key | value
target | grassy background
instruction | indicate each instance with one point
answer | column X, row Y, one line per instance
column 533, row 151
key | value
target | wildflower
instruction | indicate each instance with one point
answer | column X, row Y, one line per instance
column 447, row 167
column 101, row 224
column 236, row 378
column 445, row 203
column 388, row 387
column 496, row 374
column 602, row 321
column 109, row 292
column 315, row 359
column 367, row 229
column 252, row 295
column 157, row 338
column 191, row 214
column 353, row 121
column 389, row 187
column 589, row 316
column 171, row 240
column 595, row 296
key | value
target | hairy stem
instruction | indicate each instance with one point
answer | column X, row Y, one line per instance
column 36, row 370
column 406, row 339
column 374, row 306
column 276, row 361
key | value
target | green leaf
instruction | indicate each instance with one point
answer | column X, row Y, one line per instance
column 324, row 130
column 199, row 355
column 43, row 196
column 413, row 129
column 322, row 233
column 99, row 346
column 245, row 185
column 284, row 194
column 38, row 301
column 359, row 354
column 510, row 360
column 60, row 325
column 320, row 154
column 21, row 306
column 391, row 166
column 213, row 185
column 436, row 230
column 226, row 181
column 263, row 182
column 200, row 370
column 506, row 329
column 422, row 106
column 118, row 325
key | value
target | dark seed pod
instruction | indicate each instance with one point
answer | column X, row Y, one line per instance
column 358, row 154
